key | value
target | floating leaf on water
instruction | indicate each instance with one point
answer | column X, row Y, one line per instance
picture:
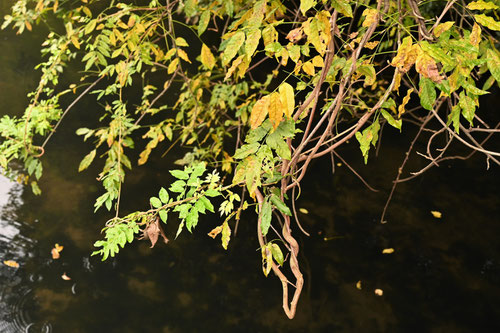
column 436, row 214
column 379, row 292
column 65, row 277
column 55, row 254
column 358, row 284
column 388, row 251
column 303, row 211
column 11, row 263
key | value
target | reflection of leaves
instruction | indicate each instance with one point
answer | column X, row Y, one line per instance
column 436, row 214
column 65, row 277
column 388, row 251
column 11, row 263
column 56, row 251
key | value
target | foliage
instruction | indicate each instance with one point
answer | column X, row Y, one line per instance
column 286, row 82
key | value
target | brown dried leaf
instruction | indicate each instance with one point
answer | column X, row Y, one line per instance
column 426, row 66
column 153, row 231
column 215, row 231
column 295, row 35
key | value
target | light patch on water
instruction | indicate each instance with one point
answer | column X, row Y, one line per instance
column 8, row 190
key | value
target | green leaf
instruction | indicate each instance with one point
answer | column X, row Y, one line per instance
column 246, row 150
column 232, row 47
column 277, row 254
column 393, row 122
column 468, row 107
column 343, row 7
column 305, row 5
column 212, row 193
column 266, row 215
column 163, row 195
column 493, row 63
column 208, row 205
column 163, row 215
column 252, row 41
column 280, row 205
column 487, row 21
column 276, row 142
column 192, row 219
column 454, row 117
column 179, row 174
column 178, row 186
column 87, row 160
column 427, row 93
column 155, row 202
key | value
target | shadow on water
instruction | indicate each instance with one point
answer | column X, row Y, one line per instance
column 443, row 276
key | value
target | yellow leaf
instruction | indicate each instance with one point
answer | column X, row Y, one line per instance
column 11, row 263
column 443, row 27
column 252, row 42
column 488, row 21
column 371, row 16
column 475, row 35
column 379, row 292
column 481, row 5
column 207, row 58
column 179, row 41
column 267, row 259
column 275, row 110
column 358, row 285
column 436, row 214
column 173, row 66
column 303, row 211
column 388, row 251
column 259, row 112
column 183, row 55
column 226, row 234
column 372, row 45
column 401, row 107
column 397, row 82
column 65, row 277
column 28, row 25
column 232, row 47
column 287, row 97
column 317, row 61
column 308, row 68
column 55, row 254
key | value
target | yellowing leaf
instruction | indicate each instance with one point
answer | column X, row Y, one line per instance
column 401, row 107
column 388, row 251
column 287, row 97
column 308, row 68
column 343, row 7
column 65, row 277
column 179, row 41
column 75, row 42
column 11, row 263
column 259, row 112
column 370, row 17
column 86, row 161
column 442, row 27
column 303, row 211
column 183, row 55
column 267, row 259
column 379, row 292
column 233, row 67
column 207, row 58
column 406, row 55
column 475, row 35
column 436, row 214
column 275, row 110
column 305, row 5
column 426, row 66
column 226, row 234
column 232, row 47
column 253, row 38
column 173, row 66
column 493, row 63
column 481, row 5
column 488, row 22
column 358, row 285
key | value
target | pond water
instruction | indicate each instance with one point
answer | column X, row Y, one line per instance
column 444, row 275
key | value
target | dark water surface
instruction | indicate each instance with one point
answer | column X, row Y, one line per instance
column 444, row 275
